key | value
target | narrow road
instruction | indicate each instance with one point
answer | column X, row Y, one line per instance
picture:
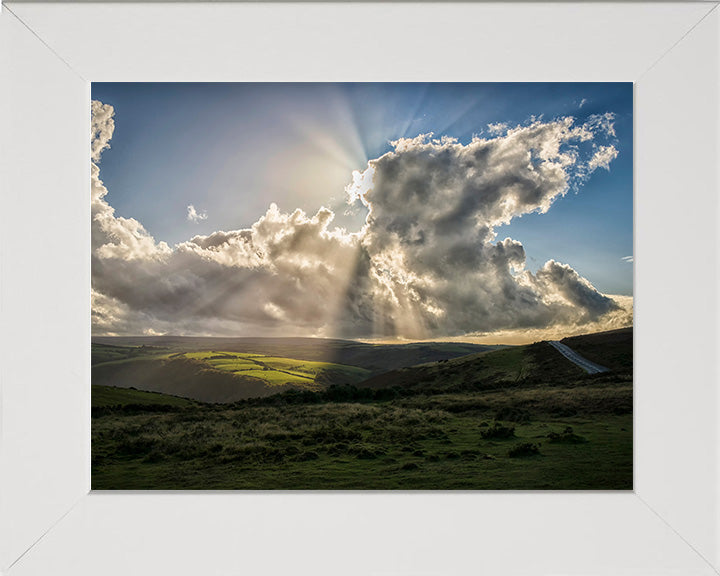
column 575, row 358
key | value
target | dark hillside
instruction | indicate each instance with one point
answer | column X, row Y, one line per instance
column 182, row 377
column 509, row 367
column 105, row 398
column 613, row 349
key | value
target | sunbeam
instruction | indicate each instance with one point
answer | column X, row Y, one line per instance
column 339, row 225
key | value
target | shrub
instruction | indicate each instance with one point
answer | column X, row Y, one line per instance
column 498, row 432
column 338, row 449
column 134, row 446
column 365, row 454
column 154, row 456
column 512, row 414
column 310, row 455
column 523, row 450
column 567, row 436
column 470, row 454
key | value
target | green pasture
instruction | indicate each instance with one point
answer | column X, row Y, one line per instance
column 273, row 370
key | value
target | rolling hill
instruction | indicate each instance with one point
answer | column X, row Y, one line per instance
column 513, row 366
column 109, row 397
column 218, row 376
column 231, row 369
column 376, row 358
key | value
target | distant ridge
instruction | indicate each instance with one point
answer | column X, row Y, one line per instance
column 377, row 358
column 530, row 365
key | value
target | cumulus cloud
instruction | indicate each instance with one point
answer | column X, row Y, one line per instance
column 113, row 236
column 435, row 205
column 602, row 158
column 194, row 216
column 628, row 259
column 497, row 128
column 102, row 128
column 603, row 124
column 426, row 264
column 117, row 237
column 619, row 318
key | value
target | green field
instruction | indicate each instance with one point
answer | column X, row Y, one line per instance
column 213, row 375
column 517, row 418
column 275, row 371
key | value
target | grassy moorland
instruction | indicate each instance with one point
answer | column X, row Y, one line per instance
column 515, row 418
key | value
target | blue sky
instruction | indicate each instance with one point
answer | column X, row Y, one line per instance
column 231, row 149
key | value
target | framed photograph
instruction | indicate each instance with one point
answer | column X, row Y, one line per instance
column 337, row 292
column 96, row 285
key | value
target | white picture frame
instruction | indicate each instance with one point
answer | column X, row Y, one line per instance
column 50, row 523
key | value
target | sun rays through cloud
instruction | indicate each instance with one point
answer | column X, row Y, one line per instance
column 409, row 248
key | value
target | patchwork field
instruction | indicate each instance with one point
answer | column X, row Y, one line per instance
column 274, row 370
